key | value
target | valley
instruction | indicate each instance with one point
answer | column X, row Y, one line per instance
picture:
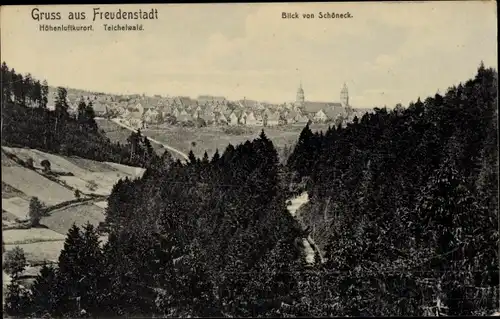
column 56, row 190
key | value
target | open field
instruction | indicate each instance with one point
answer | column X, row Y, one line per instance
column 61, row 220
column 211, row 138
column 7, row 161
column 84, row 171
column 28, row 236
column 16, row 206
column 103, row 204
column 61, row 162
column 129, row 170
column 8, row 219
column 20, row 184
column 108, row 177
column 57, row 163
column 33, row 184
column 37, row 253
column 79, row 167
column 9, row 192
column 206, row 138
column 6, row 216
column 116, row 133
column 104, row 181
column 77, row 183
column 90, row 165
column 40, row 252
column 103, row 186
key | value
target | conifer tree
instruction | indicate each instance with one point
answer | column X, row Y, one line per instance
column 70, row 271
column 61, row 103
column 301, row 158
column 15, row 261
column 450, row 216
column 149, row 153
column 192, row 158
column 216, row 156
column 45, row 94
column 37, row 93
column 134, row 142
column 90, row 117
column 44, row 292
column 16, row 300
column 17, row 87
column 81, row 116
column 205, row 159
column 28, row 85
column 91, row 288
column 7, row 85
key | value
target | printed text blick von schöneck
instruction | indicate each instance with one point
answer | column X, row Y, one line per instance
column 318, row 15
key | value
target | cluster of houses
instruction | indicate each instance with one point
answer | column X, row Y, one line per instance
column 219, row 112
column 141, row 111
column 216, row 112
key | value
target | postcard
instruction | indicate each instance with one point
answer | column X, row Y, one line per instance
column 250, row 159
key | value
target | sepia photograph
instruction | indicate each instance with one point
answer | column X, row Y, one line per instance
column 333, row 159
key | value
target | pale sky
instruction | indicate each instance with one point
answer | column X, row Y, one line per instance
column 387, row 53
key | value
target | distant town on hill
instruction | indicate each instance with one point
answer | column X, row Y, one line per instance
column 141, row 111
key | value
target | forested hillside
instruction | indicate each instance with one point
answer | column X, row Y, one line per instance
column 26, row 122
column 405, row 203
column 210, row 238
column 410, row 199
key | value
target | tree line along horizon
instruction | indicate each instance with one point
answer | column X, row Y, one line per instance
column 56, row 130
column 404, row 203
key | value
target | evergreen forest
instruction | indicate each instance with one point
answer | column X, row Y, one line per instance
column 403, row 203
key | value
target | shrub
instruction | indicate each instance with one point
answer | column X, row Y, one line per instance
column 170, row 120
column 36, row 211
column 46, row 165
column 30, row 163
column 201, row 122
column 235, row 130
column 92, row 185
column 188, row 124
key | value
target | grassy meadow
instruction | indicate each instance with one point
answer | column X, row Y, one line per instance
column 208, row 139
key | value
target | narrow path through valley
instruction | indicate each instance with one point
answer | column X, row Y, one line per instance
column 152, row 140
column 309, row 246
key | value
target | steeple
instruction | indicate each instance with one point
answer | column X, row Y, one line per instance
column 344, row 96
column 300, row 95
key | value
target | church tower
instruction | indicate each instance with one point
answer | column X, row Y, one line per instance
column 344, row 96
column 299, row 101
